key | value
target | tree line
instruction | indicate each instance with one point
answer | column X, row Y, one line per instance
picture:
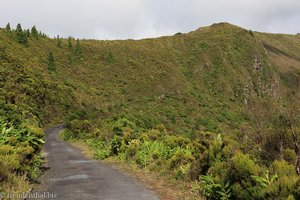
column 21, row 35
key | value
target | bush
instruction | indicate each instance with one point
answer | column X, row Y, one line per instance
column 116, row 144
column 182, row 171
column 288, row 183
column 151, row 151
column 101, row 149
column 289, row 155
column 6, row 150
column 241, row 169
column 67, row 135
column 213, row 190
column 176, row 141
column 80, row 127
column 181, row 157
column 122, row 125
column 50, row 62
column 133, row 148
column 153, row 134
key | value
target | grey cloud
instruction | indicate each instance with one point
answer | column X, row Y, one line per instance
column 122, row 19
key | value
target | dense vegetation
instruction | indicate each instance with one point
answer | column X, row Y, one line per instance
column 27, row 100
column 217, row 107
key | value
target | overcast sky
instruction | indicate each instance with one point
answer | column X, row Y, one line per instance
column 123, row 19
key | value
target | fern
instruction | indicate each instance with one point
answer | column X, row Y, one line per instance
column 214, row 190
column 267, row 180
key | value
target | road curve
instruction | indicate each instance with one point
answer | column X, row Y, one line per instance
column 72, row 176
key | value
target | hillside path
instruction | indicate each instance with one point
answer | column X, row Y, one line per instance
column 72, row 176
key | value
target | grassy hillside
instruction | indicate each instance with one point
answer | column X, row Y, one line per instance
column 214, row 100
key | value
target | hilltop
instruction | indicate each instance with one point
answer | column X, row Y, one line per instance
column 220, row 79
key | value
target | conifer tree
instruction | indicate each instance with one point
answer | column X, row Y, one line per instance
column 21, row 36
column 27, row 33
column 70, row 42
column 78, row 51
column 8, row 29
column 58, row 41
column 19, row 28
column 34, row 32
column 51, row 62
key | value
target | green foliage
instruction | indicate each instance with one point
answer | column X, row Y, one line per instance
column 78, row 50
column 67, row 135
column 101, row 149
column 181, row 157
column 70, row 45
column 289, row 155
column 151, row 151
column 21, row 36
column 80, row 128
column 124, row 127
column 116, row 143
column 110, row 58
column 51, row 62
column 59, row 42
column 19, row 150
column 8, row 28
column 266, row 180
column 214, row 190
column 251, row 33
column 227, row 102
column 34, row 32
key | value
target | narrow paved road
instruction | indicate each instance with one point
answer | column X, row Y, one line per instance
column 72, row 176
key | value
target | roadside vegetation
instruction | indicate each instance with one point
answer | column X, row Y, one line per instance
column 216, row 109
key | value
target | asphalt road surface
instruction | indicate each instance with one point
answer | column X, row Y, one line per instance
column 72, row 176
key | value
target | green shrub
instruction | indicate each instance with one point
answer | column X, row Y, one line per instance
column 6, row 150
column 116, row 144
column 10, row 162
column 149, row 152
column 183, row 171
column 123, row 126
column 26, row 154
column 101, row 149
column 133, row 148
column 50, row 62
column 153, row 134
column 289, row 155
column 80, row 127
column 34, row 170
column 176, row 141
column 213, row 190
column 241, row 169
column 102, row 153
column 67, row 135
column 181, row 157
column 287, row 184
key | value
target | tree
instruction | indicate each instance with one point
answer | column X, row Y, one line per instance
column 34, row 32
column 70, row 42
column 27, row 32
column 58, row 41
column 110, row 58
column 21, row 36
column 8, row 29
column 78, row 50
column 251, row 32
column 51, row 62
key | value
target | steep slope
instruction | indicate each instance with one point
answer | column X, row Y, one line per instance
column 213, row 67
